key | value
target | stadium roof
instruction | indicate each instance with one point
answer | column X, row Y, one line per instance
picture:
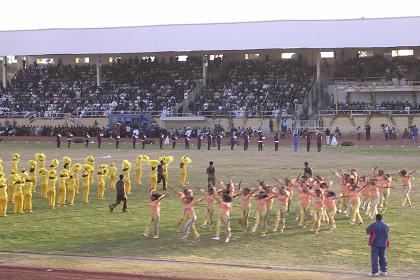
column 286, row 34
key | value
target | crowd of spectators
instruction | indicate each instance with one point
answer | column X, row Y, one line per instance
column 387, row 69
column 137, row 85
column 256, row 86
column 126, row 85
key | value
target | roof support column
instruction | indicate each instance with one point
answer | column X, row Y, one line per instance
column 98, row 71
column 318, row 67
column 4, row 71
column 205, row 70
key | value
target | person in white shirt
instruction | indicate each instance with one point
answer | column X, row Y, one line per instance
column 359, row 132
column 135, row 136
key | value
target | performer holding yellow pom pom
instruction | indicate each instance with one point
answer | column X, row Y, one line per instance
column 11, row 180
column 54, row 164
column 153, row 175
column 90, row 160
column 18, row 207
column 183, row 170
column 62, row 191
column 167, row 161
column 102, row 173
column 51, row 186
column 71, row 183
column 40, row 159
column 87, row 170
column 43, row 176
column 32, row 174
column 27, row 192
column 67, row 163
column 15, row 161
column 1, row 166
column 139, row 160
column 3, row 195
column 75, row 169
column 126, row 167
column 112, row 175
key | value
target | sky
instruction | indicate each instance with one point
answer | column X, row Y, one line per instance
column 42, row 14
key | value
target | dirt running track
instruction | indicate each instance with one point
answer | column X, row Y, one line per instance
column 23, row 273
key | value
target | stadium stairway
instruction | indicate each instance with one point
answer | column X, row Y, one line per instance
column 377, row 121
column 343, row 123
column 416, row 121
column 359, row 121
column 400, row 122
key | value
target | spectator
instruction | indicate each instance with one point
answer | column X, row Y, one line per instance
column 367, row 129
column 414, row 133
column 359, row 132
column 337, row 132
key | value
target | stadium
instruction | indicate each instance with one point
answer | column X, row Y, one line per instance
column 258, row 99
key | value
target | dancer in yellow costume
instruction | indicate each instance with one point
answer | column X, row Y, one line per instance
column 112, row 175
column 26, row 192
column 139, row 160
column 14, row 163
column 167, row 160
column 43, row 178
column 75, row 169
column 90, row 160
column 87, row 169
column 1, row 166
column 153, row 175
column 18, row 207
column 3, row 195
column 71, row 185
column 54, row 164
column 11, row 180
column 64, row 175
column 185, row 161
column 102, row 173
column 40, row 159
column 51, row 186
column 33, row 173
column 67, row 163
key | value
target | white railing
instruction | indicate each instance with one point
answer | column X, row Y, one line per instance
column 368, row 112
column 102, row 114
column 369, row 81
column 37, row 115
column 241, row 114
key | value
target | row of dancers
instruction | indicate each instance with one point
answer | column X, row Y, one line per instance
column 316, row 203
column 60, row 187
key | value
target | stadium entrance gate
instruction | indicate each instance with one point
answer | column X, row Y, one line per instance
column 310, row 124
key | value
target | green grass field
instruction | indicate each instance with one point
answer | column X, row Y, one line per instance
column 89, row 229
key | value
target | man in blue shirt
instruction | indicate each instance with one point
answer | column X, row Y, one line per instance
column 414, row 132
column 378, row 242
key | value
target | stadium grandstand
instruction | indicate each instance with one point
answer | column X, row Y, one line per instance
column 296, row 74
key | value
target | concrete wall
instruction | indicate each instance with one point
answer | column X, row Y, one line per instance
column 210, row 122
